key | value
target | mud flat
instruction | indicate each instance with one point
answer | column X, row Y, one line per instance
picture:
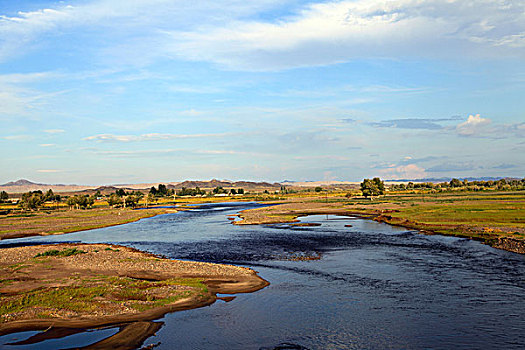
column 65, row 287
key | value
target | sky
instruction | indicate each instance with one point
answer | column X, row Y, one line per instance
column 106, row 91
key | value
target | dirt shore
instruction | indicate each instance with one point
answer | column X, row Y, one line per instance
column 78, row 286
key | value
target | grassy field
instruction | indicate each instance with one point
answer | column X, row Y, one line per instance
column 44, row 222
column 471, row 214
column 486, row 216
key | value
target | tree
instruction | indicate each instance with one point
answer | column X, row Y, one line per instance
column 219, row 190
column 71, row 202
column 31, row 200
column 374, row 187
column 80, row 201
column 50, row 196
column 150, row 198
column 132, row 200
column 240, row 191
column 3, row 196
column 153, row 191
column 455, row 183
column 120, row 192
column 163, row 190
column 318, row 189
column 114, row 200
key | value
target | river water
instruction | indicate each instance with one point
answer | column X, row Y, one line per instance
column 375, row 286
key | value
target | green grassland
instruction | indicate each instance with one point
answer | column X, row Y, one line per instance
column 99, row 293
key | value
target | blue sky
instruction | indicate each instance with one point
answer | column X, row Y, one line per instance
column 100, row 92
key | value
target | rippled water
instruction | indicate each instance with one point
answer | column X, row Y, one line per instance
column 375, row 286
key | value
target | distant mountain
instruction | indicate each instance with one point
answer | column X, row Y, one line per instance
column 21, row 182
column 22, row 185
column 247, row 185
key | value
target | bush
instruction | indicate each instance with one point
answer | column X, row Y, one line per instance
column 65, row 252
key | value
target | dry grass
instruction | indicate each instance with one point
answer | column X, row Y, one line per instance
column 65, row 221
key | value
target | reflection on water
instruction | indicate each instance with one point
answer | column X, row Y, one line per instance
column 375, row 286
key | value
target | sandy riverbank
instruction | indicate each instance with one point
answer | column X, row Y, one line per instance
column 95, row 285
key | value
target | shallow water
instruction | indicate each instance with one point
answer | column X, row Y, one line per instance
column 375, row 286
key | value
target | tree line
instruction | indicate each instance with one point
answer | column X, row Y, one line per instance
column 34, row 200
column 456, row 184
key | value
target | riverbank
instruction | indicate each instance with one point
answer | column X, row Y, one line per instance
column 496, row 219
column 43, row 223
column 79, row 286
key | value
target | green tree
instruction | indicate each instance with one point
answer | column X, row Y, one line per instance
column 71, row 202
column 455, row 183
column 318, row 189
column 120, row 192
column 132, row 200
column 80, row 201
column 49, row 196
column 374, row 187
column 3, row 196
column 114, row 200
column 150, row 198
column 219, row 190
column 31, row 200
column 163, row 190
column 153, row 191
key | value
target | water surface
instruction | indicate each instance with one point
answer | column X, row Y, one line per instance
column 375, row 286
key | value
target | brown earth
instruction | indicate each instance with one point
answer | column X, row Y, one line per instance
column 130, row 286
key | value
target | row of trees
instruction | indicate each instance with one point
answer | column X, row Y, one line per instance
column 80, row 201
column 456, row 184
column 191, row 192
column 163, row 191
column 35, row 199
column 120, row 198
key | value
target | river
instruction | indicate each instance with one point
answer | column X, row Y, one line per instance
column 374, row 287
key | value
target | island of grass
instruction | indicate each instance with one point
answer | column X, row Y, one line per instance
column 78, row 286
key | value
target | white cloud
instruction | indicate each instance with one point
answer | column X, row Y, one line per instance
column 178, row 152
column 54, row 131
column 17, row 100
column 473, row 126
column 322, row 158
column 17, row 137
column 332, row 32
column 115, row 18
column 191, row 113
column 147, row 137
column 231, row 33
column 47, row 145
column 410, row 171
column 48, row 171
